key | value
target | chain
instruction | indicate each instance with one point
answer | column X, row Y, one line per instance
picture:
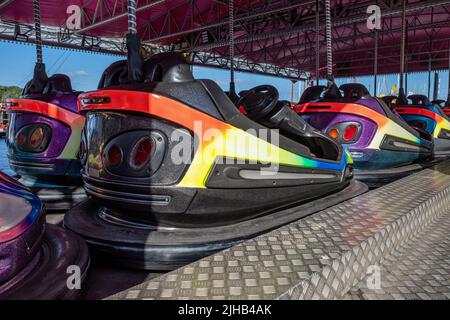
column 37, row 27
column 328, row 39
column 132, row 26
column 231, row 27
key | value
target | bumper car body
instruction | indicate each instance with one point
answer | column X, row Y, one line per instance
column 173, row 156
column 43, row 143
column 430, row 118
column 3, row 119
column 382, row 145
column 34, row 256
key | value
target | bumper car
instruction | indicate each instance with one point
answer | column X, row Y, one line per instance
column 3, row 120
column 383, row 146
column 175, row 172
column 34, row 256
column 438, row 103
column 43, row 140
column 421, row 113
column 444, row 105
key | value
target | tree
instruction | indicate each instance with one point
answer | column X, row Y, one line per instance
column 9, row 92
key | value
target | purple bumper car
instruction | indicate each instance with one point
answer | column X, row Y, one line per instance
column 382, row 145
column 43, row 142
column 34, row 256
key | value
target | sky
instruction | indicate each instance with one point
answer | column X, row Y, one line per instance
column 17, row 63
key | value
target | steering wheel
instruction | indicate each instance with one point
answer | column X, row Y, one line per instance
column 259, row 101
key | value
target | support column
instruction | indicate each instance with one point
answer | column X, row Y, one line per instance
column 317, row 42
column 375, row 65
column 401, row 94
column 293, row 82
column 436, row 85
column 429, row 71
column 447, row 103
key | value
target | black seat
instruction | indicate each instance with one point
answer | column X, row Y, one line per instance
column 162, row 67
column 111, row 75
column 332, row 93
column 419, row 100
column 58, row 83
column 37, row 84
column 389, row 100
column 355, row 91
column 312, row 93
column 167, row 67
column 438, row 102
column 42, row 84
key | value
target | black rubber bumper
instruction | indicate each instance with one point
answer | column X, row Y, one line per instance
column 46, row 276
column 163, row 248
column 377, row 178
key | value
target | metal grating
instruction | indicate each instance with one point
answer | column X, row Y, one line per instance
column 419, row 270
column 319, row 257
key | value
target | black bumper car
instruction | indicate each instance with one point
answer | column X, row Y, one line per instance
column 175, row 172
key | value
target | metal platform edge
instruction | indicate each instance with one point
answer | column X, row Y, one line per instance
column 419, row 270
column 319, row 257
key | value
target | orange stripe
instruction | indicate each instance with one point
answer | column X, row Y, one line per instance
column 44, row 108
column 419, row 111
column 349, row 108
column 152, row 104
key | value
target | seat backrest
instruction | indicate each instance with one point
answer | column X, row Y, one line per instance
column 354, row 91
column 58, row 83
column 389, row 100
column 419, row 100
column 167, row 67
column 111, row 75
column 312, row 93
column 333, row 92
column 37, row 84
column 438, row 102
column 162, row 67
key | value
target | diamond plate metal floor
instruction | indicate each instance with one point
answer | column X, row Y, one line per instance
column 322, row 256
column 419, row 270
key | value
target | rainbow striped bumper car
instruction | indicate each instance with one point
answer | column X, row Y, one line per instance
column 3, row 119
column 421, row 113
column 383, row 146
column 175, row 172
column 43, row 142
column 444, row 105
column 35, row 257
